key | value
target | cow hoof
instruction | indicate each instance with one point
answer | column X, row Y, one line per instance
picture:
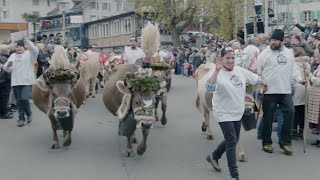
column 67, row 142
column 54, row 145
column 87, row 96
column 93, row 96
column 128, row 153
column 157, row 118
column 134, row 140
column 163, row 121
column 242, row 158
column 204, row 127
column 210, row 137
column 141, row 149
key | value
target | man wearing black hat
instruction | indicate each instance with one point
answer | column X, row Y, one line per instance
column 278, row 69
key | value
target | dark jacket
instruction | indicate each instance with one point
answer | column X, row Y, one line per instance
column 307, row 31
column 4, row 76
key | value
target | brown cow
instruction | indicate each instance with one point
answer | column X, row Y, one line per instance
column 133, row 108
column 204, row 102
column 59, row 100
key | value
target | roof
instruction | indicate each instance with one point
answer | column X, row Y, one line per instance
column 81, row 5
column 111, row 18
column 13, row 27
column 54, row 11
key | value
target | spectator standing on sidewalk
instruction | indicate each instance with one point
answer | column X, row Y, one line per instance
column 21, row 65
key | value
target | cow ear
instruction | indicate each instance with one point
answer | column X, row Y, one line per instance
column 122, row 88
column 42, row 85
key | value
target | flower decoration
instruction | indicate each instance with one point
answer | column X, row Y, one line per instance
column 162, row 66
column 61, row 74
column 142, row 81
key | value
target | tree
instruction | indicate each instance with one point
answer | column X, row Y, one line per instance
column 222, row 15
column 176, row 14
column 32, row 18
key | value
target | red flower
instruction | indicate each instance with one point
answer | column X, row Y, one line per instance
column 53, row 75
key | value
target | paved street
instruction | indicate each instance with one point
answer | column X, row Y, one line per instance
column 175, row 152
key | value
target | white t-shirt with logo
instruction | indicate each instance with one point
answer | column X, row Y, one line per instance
column 278, row 69
column 228, row 102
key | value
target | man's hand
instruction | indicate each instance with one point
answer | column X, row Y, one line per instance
column 264, row 85
column 303, row 82
column 9, row 64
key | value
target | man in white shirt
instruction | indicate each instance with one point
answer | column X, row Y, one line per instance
column 250, row 54
column 132, row 53
column 278, row 68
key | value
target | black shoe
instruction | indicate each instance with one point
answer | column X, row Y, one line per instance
column 20, row 123
column 316, row 143
column 213, row 162
column 29, row 119
column 300, row 134
column 6, row 116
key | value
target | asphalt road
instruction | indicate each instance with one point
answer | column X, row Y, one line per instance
column 176, row 151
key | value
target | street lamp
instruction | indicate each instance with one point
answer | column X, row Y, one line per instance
column 201, row 22
column 63, row 6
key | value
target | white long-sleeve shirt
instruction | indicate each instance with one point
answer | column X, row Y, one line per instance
column 132, row 55
column 228, row 101
column 22, row 69
column 278, row 68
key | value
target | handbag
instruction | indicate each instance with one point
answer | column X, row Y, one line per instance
column 248, row 119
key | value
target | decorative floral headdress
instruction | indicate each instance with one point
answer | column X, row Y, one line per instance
column 142, row 81
column 58, row 75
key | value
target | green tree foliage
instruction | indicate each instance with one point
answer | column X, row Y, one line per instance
column 32, row 18
column 176, row 14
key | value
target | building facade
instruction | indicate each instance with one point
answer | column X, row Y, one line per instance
column 113, row 33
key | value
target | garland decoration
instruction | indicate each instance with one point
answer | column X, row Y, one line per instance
column 142, row 81
column 52, row 75
column 161, row 66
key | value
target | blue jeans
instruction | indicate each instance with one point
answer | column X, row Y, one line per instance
column 279, row 118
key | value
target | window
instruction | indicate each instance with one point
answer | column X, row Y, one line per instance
column 118, row 7
column 105, row 29
column 116, row 28
column 284, row 17
column 106, row 6
column 307, row 16
column 35, row 12
column 103, row 17
column 93, row 32
column 127, row 25
column 48, row 3
column 4, row 2
column 35, row 2
column 5, row 14
column 93, row 17
column 95, row 5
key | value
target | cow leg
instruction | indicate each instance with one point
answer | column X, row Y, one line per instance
column 134, row 139
column 87, row 89
column 164, row 109
column 54, row 144
column 67, row 139
column 206, row 124
column 129, row 151
column 241, row 154
column 156, row 107
column 93, row 85
column 143, row 145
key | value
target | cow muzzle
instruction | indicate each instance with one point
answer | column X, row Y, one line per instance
column 145, row 125
column 61, row 107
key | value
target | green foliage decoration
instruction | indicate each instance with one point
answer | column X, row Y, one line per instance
column 53, row 75
column 141, row 83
